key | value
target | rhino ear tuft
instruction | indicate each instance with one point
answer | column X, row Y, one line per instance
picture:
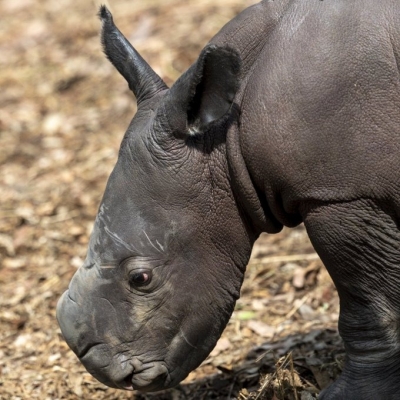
column 206, row 92
column 104, row 13
column 141, row 78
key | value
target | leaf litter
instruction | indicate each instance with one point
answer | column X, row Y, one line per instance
column 63, row 112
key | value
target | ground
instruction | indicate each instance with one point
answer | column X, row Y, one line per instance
column 63, row 112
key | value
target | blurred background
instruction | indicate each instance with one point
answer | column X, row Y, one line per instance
column 63, row 112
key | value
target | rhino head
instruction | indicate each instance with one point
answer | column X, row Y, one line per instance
column 169, row 246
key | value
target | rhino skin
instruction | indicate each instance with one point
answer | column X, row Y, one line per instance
column 290, row 114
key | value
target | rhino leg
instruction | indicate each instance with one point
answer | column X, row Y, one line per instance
column 359, row 243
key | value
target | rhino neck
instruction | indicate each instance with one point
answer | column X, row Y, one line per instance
column 251, row 201
column 249, row 31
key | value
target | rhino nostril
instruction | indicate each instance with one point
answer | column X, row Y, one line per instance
column 70, row 298
column 136, row 364
column 86, row 348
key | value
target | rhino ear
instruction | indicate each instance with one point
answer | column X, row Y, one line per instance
column 204, row 95
column 142, row 80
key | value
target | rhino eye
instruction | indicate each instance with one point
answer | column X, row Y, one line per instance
column 140, row 277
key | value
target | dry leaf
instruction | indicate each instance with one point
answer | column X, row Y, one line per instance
column 261, row 329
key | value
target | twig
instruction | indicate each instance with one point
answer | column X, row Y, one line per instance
column 289, row 258
column 292, row 373
column 297, row 306
column 274, row 375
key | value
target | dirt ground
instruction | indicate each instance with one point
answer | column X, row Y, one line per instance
column 63, row 112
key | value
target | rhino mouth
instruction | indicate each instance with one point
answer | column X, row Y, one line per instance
column 147, row 377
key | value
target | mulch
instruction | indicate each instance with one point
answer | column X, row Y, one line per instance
column 63, row 112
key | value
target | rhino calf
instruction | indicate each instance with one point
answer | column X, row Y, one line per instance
column 290, row 114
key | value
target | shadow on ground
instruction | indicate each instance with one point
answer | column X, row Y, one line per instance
column 299, row 365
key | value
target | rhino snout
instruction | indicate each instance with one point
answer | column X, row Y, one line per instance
column 67, row 312
column 148, row 377
column 118, row 369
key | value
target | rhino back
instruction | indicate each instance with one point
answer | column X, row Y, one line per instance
column 320, row 108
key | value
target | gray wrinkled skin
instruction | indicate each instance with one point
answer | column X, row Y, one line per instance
column 291, row 114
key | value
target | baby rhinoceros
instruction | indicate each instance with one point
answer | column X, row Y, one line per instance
column 290, row 114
